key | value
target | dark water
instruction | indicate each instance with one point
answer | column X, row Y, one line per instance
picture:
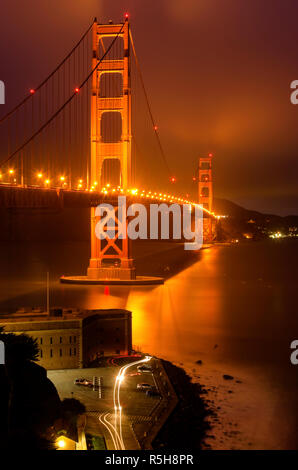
column 241, row 298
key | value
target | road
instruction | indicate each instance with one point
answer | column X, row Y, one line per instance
column 121, row 403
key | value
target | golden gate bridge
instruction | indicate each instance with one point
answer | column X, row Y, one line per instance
column 77, row 139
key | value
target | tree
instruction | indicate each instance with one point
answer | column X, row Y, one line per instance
column 19, row 348
column 29, row 400
column 70, row 411
column 72, row 406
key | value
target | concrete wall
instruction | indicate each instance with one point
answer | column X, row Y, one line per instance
column 72, row 343
column 106, row 336
column 59, row 342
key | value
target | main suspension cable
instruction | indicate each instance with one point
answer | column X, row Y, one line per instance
column 47, row 78
column 66, row 102
column 155, row 128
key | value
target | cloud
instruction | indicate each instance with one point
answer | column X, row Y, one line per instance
column 185, row 11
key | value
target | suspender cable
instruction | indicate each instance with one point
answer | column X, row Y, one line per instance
column 149, row 107
column 65, row 104
column 48, row 77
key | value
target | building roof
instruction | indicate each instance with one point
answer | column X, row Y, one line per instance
column 70, row 317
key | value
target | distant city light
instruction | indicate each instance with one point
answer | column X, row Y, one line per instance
column 277, row 235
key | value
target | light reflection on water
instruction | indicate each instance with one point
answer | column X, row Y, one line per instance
column 235, row 309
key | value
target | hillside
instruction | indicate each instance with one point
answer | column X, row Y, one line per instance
column 226, row 207
column 245, row 223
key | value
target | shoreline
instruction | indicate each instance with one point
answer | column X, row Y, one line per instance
column 189, row 417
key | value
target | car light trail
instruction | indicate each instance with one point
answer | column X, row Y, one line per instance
column 116, row 396
column 103, row 418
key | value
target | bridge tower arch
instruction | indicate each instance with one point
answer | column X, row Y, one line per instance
column 205, row 188
column 119, row 103
column 110, row 258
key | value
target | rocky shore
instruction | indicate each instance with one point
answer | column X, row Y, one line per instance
column 187, row 426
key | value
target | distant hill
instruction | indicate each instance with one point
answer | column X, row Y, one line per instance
column 226, row 207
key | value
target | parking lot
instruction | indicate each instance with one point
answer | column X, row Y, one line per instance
column 136, row 405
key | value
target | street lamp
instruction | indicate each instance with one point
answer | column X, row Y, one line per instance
column 61, row 443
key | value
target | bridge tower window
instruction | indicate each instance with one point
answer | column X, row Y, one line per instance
column 205, row 192
column 111, row 85
column 205, row 188
column 111, row 127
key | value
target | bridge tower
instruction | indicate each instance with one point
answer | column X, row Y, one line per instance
column 206, row 194
column 110, row 109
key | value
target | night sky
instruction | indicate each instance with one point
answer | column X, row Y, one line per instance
column 218, row 73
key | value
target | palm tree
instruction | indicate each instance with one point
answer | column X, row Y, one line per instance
column 19, row 348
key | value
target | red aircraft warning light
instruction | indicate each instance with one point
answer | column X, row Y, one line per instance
column 210, row 155
column 126, row 16
column 32, row 91
column 173, row 179
column 77, row 89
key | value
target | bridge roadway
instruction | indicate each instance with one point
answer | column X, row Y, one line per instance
column 12, row 196
column 31, row 197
